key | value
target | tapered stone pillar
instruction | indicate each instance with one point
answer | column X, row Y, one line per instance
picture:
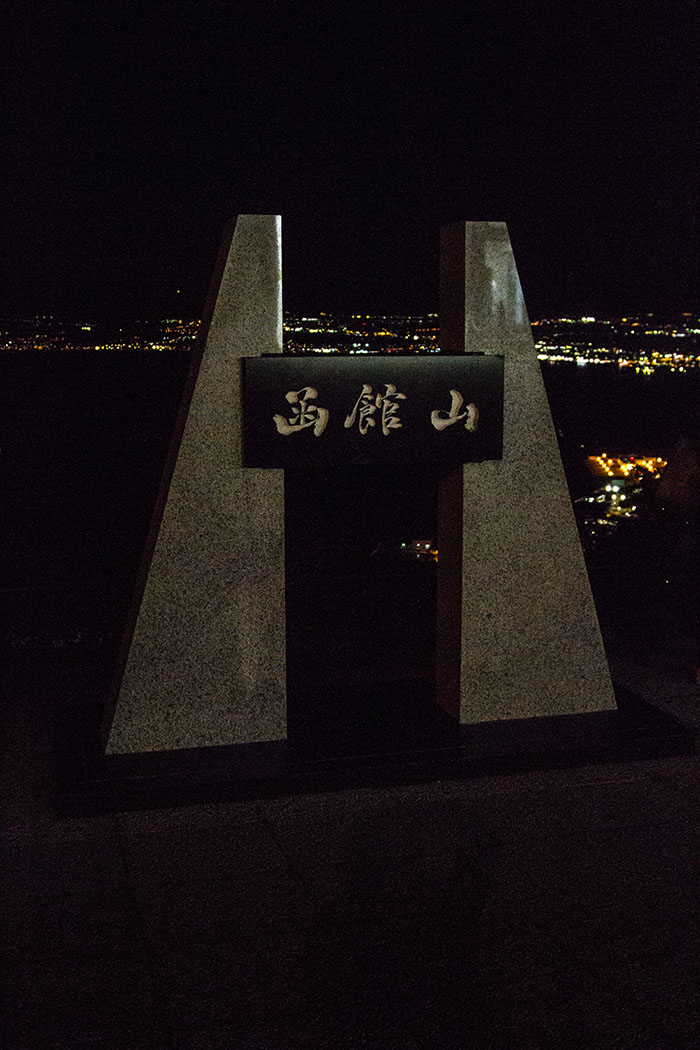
column 530, row 640
column 206, row 662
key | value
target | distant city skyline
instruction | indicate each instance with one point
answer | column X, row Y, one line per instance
column 642, row 342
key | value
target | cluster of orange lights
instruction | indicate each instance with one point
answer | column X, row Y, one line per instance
column 618, row 467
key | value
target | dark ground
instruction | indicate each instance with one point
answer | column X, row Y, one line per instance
column 545, row 909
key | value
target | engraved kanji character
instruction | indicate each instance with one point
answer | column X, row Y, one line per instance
column 368, row 403
column 441, row 420
column 303, row 414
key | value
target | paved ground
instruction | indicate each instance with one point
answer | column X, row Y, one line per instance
column 554, row 909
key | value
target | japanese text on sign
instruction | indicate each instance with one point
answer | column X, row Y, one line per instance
column 304, row 414
column 371, row 411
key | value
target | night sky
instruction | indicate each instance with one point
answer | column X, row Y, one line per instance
column 137, row 129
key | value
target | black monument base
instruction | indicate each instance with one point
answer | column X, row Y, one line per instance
column 90, row 783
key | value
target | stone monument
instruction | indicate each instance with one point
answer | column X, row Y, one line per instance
column 529, row 641
column 206, row 664
column 203, row 660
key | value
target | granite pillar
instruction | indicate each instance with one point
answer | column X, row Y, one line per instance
column 530, row 640
column 206, row 662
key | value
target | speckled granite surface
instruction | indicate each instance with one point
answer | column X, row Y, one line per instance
column 207, row 662
column 531, row 643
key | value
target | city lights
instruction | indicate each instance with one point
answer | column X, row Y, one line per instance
column 625, row 343
column 626, row 466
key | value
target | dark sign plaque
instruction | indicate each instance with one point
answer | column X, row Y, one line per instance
column 361, row 410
